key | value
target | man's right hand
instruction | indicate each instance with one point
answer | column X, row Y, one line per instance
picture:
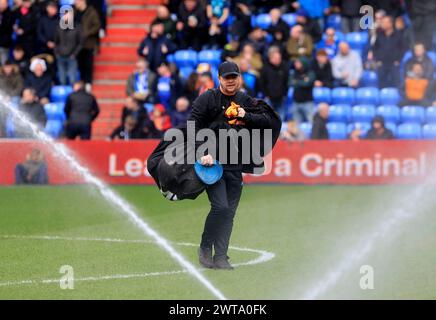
column 207, row 160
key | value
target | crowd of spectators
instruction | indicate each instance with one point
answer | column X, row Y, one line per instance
column 305, row 54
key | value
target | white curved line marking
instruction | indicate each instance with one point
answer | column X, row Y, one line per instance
column 264, row 256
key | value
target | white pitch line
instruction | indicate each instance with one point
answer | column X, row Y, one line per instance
column 264, row 256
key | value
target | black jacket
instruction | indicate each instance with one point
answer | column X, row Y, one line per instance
column 81, row 108
column 302, row 80
column 373, row 135
column 46, row 29
column 349, row 8
column 319, row 128
column 274, row 80
column 420, row 7
column 35, row 112
column 6, row 28
column 388, row 49
column 42, row 85
column 68, row 41
column 324, row 74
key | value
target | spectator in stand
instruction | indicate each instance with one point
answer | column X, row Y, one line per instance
column 310, row 27
column 33, row 170
column 292, row 132
column 47, row 26
column 248, row 72
column 257, row 38
column 274, row 80
column 182, row 112
column 329, row 43
column 34, row 111
column 142, row 83
column 190, row 89
column 420, row 56
column 299, row 44
column 278, row 28
column 422, row 15
column 350, row 14
column 132, row 108
column 217, row 13
column 205, row 82
column 81, row 109
column 6, row 30
column 387, row 53
column 25, row 27
column 163, row 16
column 378, row 130
column 156, row 46
column 323, row 70
column 303, row 80
column 172, row 5
column 242, row 20
column 192, row 24
column 418, row 89
column 249, row 54
column 316, row 9
column 19, row 58
column 404, row 31
column 99, row 6
column 319, row 127
column 68, row 43
column 89, row 21
column 160, row 118
column 169, row 86
column 393, row 8
column 126, row 131
column 39, row 79
column 347, row 66
column 11, row 80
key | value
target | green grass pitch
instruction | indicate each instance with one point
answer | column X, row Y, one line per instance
column 309, row 229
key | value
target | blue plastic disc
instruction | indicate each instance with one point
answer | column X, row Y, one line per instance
column 209, row 174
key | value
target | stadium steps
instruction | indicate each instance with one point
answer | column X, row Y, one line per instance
column 128, row 22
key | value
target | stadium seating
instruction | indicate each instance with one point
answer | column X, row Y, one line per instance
column 392, row 126
column 54, row 128
column 342, row 95
column 337, row 130
column 389, row 113
column 263, row 21
column 339, row 113
column 429, row 131
column 290, row 19
column 408, row 55
column 249, row 80
column 367, row 95
column 306, row 129
column 334, row 21
column 362, row 113
column 409, row 131
column 413, row 114
column 185, row 72
column 60, row 93
column 185, row 58
column 213, row 57
column 321, row 94
column 369, row 79
column 357, row 40
column 390, row 96
column 55, row 118
column 430, row 115
column 363, row 126
column 290, row 96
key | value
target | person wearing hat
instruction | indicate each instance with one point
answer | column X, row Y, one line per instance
column 378, row 130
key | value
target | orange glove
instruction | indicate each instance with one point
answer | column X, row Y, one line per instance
column 232, row 112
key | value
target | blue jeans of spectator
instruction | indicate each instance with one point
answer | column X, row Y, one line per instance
column 350, row 24
column 67, row 68
column 22, row 175
column 388, row 76
column 74, row 130
column 302, row 111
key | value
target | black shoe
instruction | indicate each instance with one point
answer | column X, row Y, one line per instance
column 205, row 257
column 222, row 263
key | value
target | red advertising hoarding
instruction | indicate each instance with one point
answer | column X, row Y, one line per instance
column 309, row 162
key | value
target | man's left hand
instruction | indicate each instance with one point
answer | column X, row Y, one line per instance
column 241, row 112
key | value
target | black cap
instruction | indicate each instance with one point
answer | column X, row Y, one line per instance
column 228, row 68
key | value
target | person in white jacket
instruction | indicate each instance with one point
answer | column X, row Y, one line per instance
column 347, row 66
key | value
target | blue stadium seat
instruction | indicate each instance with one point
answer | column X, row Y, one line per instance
column 408, row 55
column 249, row 80
column 164, row 91
column 409, row 131
column 389, row 113
column 290, row 19
column 367, row 95
column 213, row 57
column 185, row 72
column 429, row 131
column 54, row 128
column 334, row 21
column 412, row 114
column 339, row 113
column 369, row 79
column 337, row 130
column 392, row 126
column 170, row 58
column 185, row 58
column 290, row 95
column 430, row 115
column 390, row 96
column 362, row 113
column 357, row 40
column 263, row 21
column 306, row 128
column 66, row 2
column 342, row 95
column 60, row 93
column 363, row 126
column 55, row 111
column 321, row 94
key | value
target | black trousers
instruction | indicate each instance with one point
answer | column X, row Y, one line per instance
column 85, row 61
column 75, row 129
column 224, row 198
